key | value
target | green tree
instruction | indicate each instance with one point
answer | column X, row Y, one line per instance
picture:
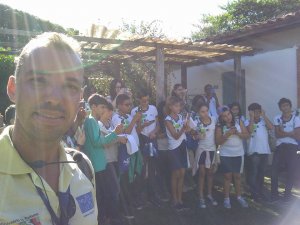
column 151, row 29
column 6, row 69
column 239, row 13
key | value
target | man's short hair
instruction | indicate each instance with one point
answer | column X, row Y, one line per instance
column 283, row 101
column 55, row 40
column 96, row 99
column 254, row 106
column 207, row 86
column 142, row 93
column 10, row 113
column 121, row 98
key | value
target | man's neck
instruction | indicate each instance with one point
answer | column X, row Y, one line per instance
column 31, row 149
column 144, row 108
column 287, row 115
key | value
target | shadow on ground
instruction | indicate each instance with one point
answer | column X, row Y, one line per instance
column 264, row 213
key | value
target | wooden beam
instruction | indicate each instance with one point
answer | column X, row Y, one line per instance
column 142, row 42
column 160, row 75
column 169, row 62
column 184, row 76
column 209, row 60
column 142, row 54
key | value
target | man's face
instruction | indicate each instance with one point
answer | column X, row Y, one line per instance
column 285, row 108
column 144, row 101
column 47, row 93
column 208, row 89
column 125, row 107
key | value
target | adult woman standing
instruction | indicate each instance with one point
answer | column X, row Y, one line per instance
column 116, row 88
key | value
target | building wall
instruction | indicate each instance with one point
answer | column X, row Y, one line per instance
column 269, row 76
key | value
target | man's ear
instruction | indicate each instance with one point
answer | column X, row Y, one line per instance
column 11, row 88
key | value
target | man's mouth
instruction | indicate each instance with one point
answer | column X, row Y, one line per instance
column 49, row 117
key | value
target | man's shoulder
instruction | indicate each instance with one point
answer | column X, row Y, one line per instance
column 5, row 140
column 83, row 163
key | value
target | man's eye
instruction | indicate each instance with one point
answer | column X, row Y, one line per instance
column 37, row 80
column 72, row 87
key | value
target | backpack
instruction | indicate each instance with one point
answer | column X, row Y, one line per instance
column 82, row 163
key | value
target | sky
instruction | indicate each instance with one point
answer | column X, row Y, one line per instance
column 177, row 17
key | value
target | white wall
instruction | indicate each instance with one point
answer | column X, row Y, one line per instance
column 269, row 76
column 174, row 77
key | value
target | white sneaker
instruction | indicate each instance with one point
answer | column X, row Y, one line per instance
column 212, row 200
column 242, row 202
column 202, row 204
column 227, row 204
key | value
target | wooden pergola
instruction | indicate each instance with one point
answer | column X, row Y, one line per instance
column 153, row 50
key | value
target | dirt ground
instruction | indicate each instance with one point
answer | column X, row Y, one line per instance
column 279, row 213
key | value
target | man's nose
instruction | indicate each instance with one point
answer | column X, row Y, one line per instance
column 54, row 94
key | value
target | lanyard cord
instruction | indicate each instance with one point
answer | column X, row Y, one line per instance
column 45, row 198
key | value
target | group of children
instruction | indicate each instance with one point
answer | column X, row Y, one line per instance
column 143, row 153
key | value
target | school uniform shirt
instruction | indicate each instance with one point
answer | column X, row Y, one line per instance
column 205, row 145
column 149, row 115
column 20, row 202
column 125, row 120
column 233, row 146
column 259, row 140
column 243, row 119
column 212, row 107
column 177, row 124
column 94, row 143
column 208, row 143
column 111, row 150
column 287, row 126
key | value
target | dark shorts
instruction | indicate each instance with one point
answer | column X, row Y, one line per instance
column 178, row 158
column 231, row 164
column 203, row 157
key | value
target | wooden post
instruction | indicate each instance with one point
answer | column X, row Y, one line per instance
column 238, row 78
column 160, row 75
column 184, row 76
